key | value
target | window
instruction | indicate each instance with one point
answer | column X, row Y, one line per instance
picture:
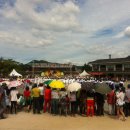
column 127, row 66
column 110, row 66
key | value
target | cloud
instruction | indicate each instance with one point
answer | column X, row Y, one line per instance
column 64, row 30
column 127, row 31
column 33, row 28
column 119, row 35
column 104, row 14
column 57, row 17
column 26, row 40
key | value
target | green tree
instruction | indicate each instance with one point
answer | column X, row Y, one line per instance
column 86, row 67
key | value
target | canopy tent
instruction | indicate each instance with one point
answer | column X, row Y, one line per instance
column 14, row 73
column 84, row 73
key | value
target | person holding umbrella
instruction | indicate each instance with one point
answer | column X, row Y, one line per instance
column 55, row 101
column 82, row 101
column 73, row 103
column 47, row 99
column 99, row 100
column 90, row 103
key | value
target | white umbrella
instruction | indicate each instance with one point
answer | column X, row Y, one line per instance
column 74, row 86
column 14, row 83
column 6, row 82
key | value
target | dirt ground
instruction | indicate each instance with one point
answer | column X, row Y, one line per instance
column 29, row 121
column 45, row 121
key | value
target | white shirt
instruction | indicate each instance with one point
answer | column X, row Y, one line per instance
column 54, row 94
column 120, row 98
column 41, row 90
column 73, row 96
column 13, row 95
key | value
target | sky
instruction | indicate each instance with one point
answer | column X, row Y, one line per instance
column 64, row 31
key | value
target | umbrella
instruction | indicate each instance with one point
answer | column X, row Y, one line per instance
column 102, row 88
column 27, row 81
column 75, row 86
column 88, row 86
column 47, row 82
column 57, row 84
column 5, row 82
column 126, row 84
column 14, row 83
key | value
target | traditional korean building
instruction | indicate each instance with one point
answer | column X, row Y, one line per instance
column 42, row 66
column 113, row 67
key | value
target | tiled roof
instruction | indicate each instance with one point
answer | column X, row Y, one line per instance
column 114, row 60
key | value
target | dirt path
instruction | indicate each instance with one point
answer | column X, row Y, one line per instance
column 28, row 121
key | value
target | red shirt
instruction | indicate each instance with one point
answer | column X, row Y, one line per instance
column 26, row 94
column 111, row 97
column 47, row 94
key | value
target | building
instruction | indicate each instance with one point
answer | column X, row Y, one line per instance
column 112, row 67
column 42, row 66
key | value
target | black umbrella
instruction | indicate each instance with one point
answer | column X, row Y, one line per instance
column 88, row 86
column 102, row 88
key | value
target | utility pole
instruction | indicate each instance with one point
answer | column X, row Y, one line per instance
column 70, row 64
column 33, row 68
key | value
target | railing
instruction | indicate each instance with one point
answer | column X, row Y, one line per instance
column 102, row 69
column 119, row 69
column 110, row 69
column 127, row 69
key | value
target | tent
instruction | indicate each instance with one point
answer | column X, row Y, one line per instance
column 84, row 73
column 42, row 74
column 14, row 73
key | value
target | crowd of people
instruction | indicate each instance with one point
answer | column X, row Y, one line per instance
column 41, row 98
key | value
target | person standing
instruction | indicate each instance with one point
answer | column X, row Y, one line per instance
column 47, row 99
column 73, row 103
column 120, row 102
column 90, row 104
column 63, row 102
column 2, row 103
column 82, row 103
column 99, row 100
column 27, row 97
column 55, row 101
column 41, row 99
column 13, row 99
column 35, row 94
column 111, row 101
column 127, row 101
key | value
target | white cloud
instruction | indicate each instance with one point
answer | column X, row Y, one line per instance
column 18, row 39
column 57, row 17
column 65, row 28
column 119, row 35
column 100, row 14
column 127, row 31
column 33, row 28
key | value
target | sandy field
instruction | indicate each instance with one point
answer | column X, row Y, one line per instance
column 45, row 121
column 29, row 121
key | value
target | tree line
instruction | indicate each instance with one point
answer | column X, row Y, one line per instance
column 7, row 65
